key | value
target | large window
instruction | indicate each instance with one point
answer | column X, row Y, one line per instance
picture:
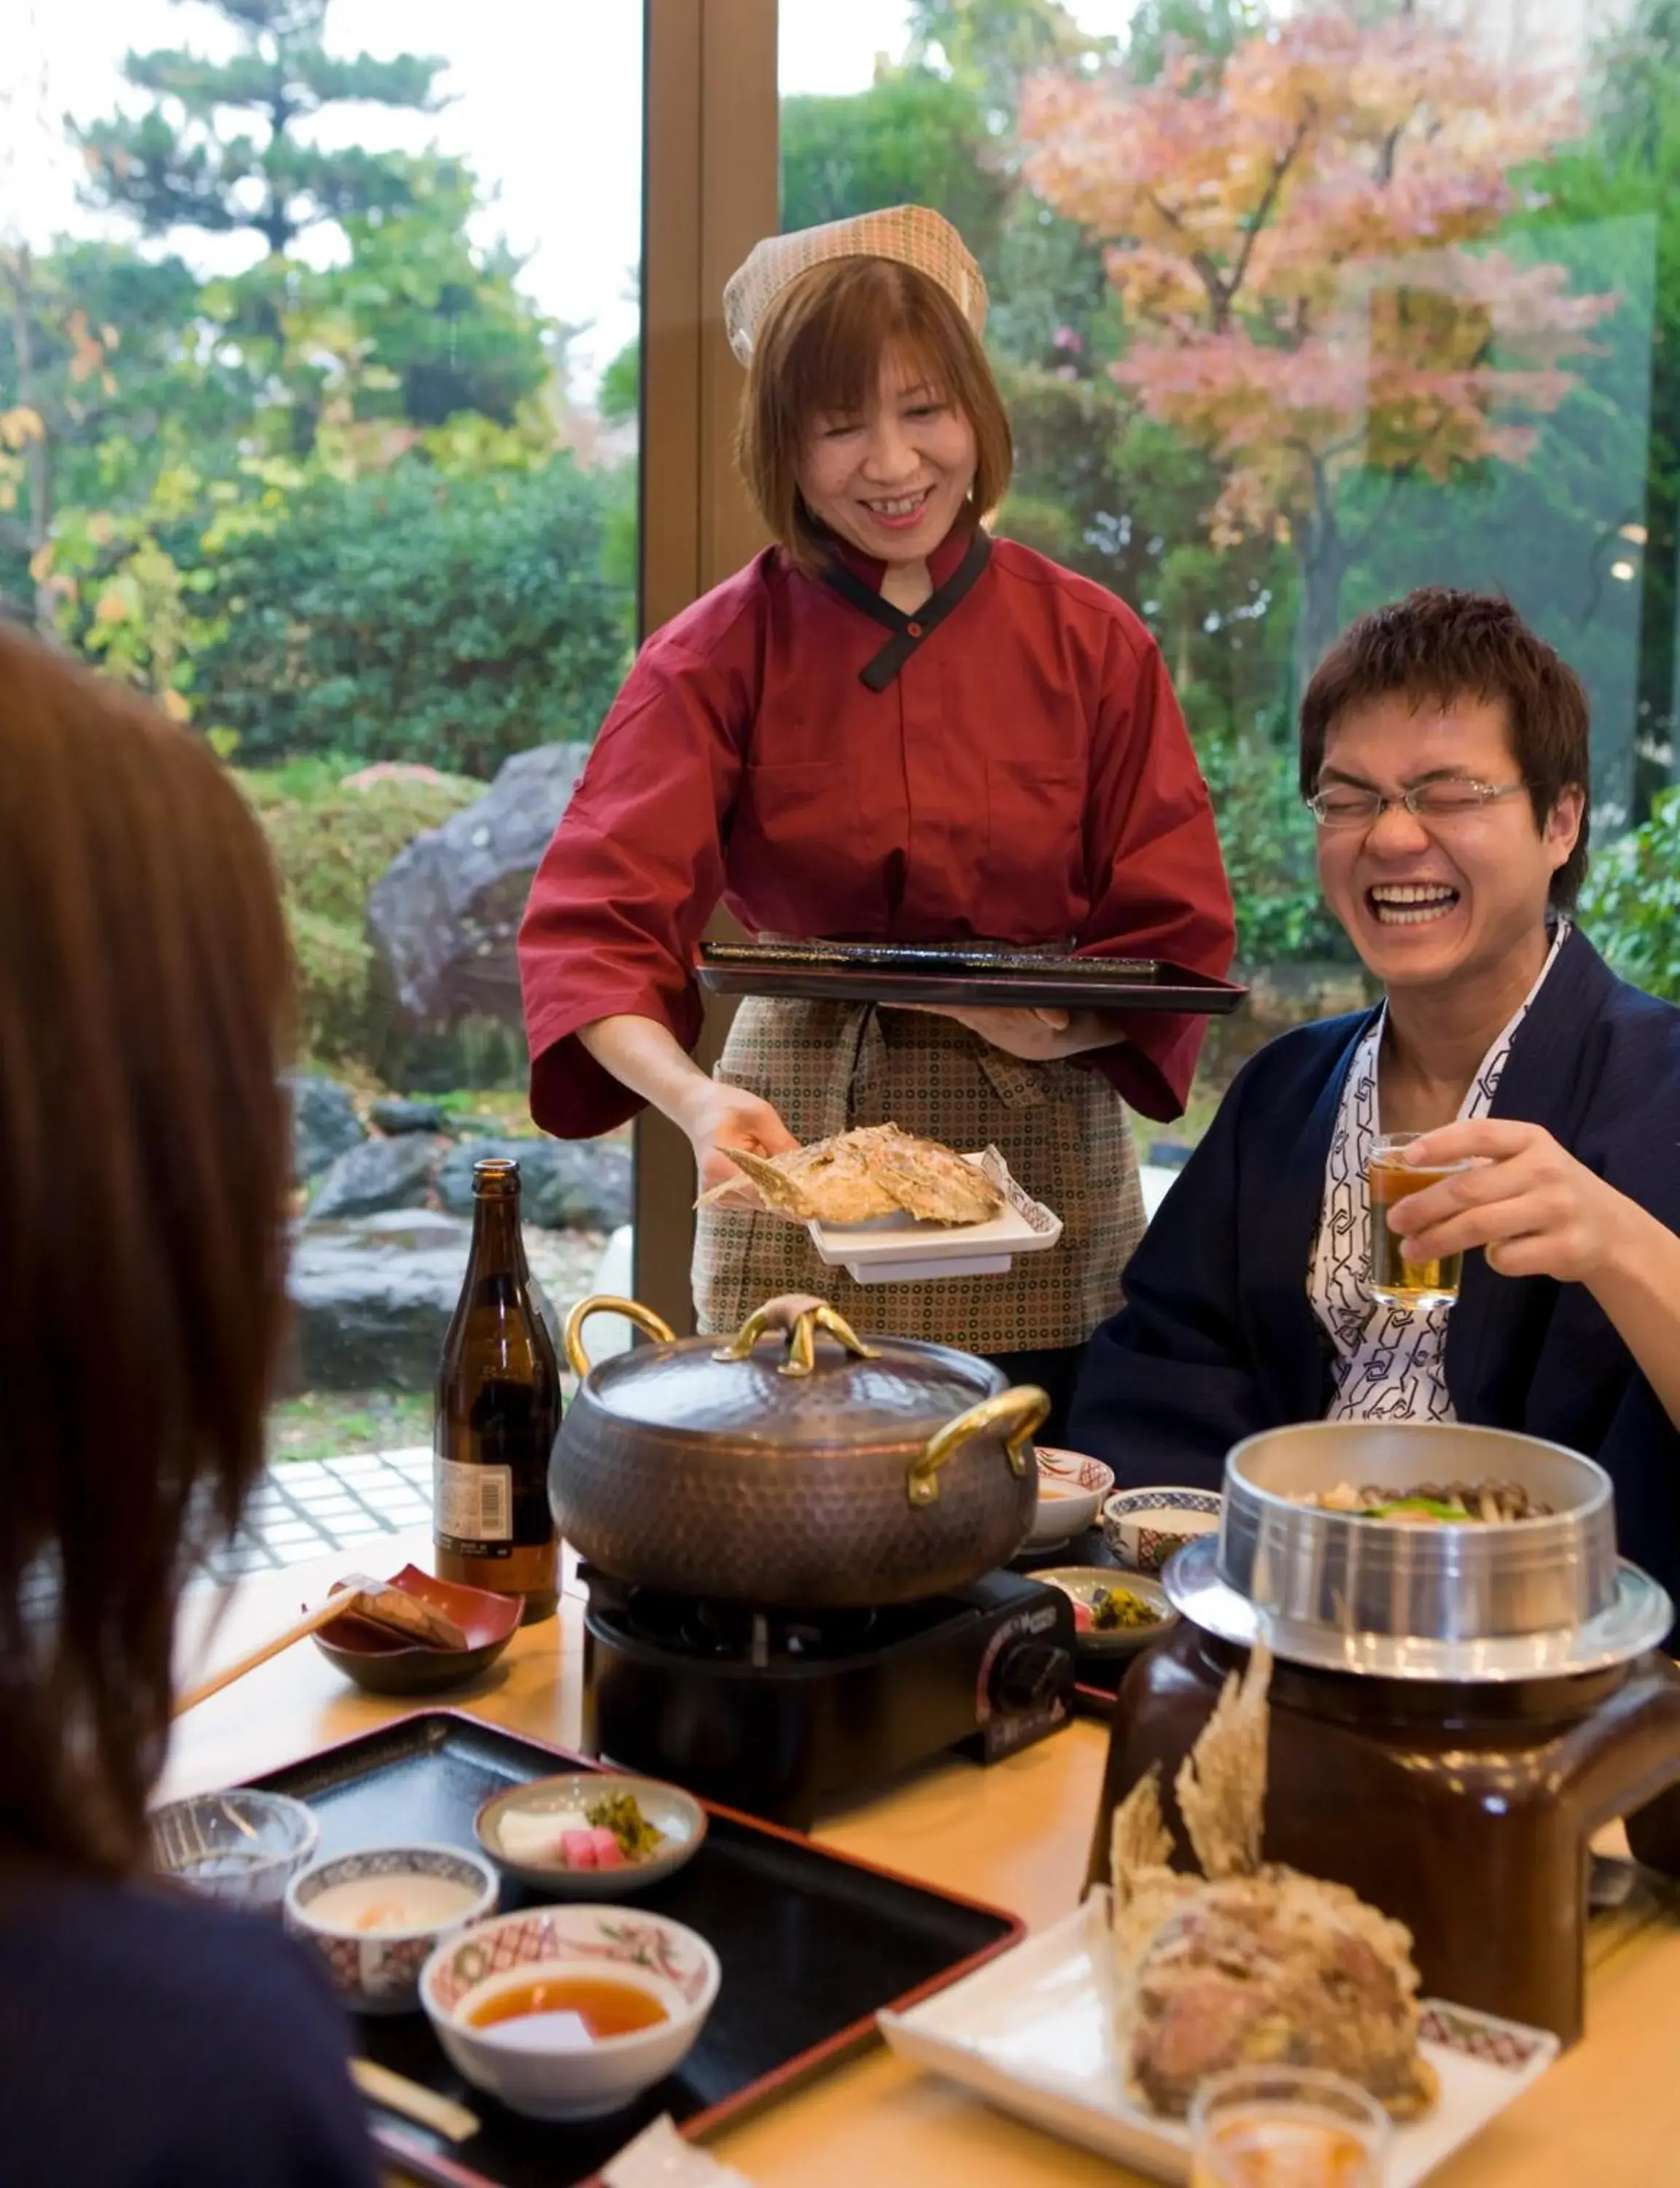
column 320, row 396
column 318, row 420
column 1296, row 307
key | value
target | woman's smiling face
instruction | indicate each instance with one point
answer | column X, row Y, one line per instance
column 1426, row 902
column 891, row 478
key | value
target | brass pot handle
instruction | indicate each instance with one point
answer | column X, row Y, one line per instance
column 1020, row 1411
column 798, row 1316
column 643, row 1318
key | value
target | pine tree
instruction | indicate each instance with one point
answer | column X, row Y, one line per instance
column 188, row 162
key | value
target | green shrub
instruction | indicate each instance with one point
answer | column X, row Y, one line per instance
column 332, row 843
column 333, row 960
column 448, row 619
column 1267, row 836
column 1631, row 903
column 331, row 840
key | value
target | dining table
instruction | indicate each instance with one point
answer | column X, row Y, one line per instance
column 1013, row 1835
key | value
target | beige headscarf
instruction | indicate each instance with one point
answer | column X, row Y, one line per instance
column 911, row 234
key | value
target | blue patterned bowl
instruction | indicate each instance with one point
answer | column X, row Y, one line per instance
column 1143, row 1527
column 377, row 1916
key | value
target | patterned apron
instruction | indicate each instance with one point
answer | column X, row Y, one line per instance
column 1063, row 1130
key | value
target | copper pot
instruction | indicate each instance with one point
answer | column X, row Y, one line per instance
column 829, row 1474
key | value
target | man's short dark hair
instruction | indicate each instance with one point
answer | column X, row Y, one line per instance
column 1441, row 644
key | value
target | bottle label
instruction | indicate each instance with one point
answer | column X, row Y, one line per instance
column 472, row 1507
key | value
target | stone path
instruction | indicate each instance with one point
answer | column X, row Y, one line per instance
column 312, row 1508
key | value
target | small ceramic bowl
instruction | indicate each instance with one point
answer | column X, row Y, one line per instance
column 386, row 1664
column 1082, row 1584
column 378, row 1916
column 1143, row 1527
column 531, row 2069
column 240, row 1846
column 1071, row 1491
column 506, row 1818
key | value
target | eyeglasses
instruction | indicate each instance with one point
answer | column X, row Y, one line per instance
column 1346, row 806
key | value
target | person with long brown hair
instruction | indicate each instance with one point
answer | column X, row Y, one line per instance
column 890, row 726
column 144, row 1163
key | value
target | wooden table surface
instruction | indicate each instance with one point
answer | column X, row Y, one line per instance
column 1014, row 1835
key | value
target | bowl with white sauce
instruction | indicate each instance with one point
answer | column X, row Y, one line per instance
column 376, row 1916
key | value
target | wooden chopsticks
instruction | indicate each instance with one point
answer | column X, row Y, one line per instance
column 322, row 1614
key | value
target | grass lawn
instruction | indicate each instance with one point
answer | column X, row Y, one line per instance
column 333, row 1424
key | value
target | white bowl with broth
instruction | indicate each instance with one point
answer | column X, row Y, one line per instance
column 567, row 2013
column 1071, row 1488
column 377, row 1916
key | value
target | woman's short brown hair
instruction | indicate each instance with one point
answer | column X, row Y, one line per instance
column 144, row 1167
column 819, row 352
column 1444, row 644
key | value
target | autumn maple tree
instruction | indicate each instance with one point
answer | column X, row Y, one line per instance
column 1299, row 236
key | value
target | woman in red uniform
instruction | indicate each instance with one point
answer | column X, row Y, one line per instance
column 889, row 725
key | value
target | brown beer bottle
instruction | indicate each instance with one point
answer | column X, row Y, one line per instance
column 498, row 1415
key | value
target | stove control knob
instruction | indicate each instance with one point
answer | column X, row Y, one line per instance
column 1031, row 1675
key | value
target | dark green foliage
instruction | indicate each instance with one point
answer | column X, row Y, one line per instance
column 451, row 621
column 914, row 138
column 1266, row 835
column 619, row 395
column 1631, row 904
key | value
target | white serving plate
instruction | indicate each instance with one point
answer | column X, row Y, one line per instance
column 897, row 1250
column 1029, row 2032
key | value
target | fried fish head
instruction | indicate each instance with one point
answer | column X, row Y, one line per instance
column 782, row 1195
column 1249, row 1965
column 1271, row 1970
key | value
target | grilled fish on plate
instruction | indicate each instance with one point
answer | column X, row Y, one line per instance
column 859, row 1176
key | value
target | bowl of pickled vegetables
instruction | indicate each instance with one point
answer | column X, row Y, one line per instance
column 1115, row 1614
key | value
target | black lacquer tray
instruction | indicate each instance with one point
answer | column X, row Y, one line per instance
column 812, row 1944
column 974, row 976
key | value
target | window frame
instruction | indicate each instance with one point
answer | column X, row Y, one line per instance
column 710, row 190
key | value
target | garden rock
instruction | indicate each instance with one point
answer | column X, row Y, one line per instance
column 372, row 1296
column 443, row 919
column 395, row 1116
column 564, row 1184
column 379, row 1173
column 324, row 1123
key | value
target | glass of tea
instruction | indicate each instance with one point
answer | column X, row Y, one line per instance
column 1286, row 2127
column 1395, row 1278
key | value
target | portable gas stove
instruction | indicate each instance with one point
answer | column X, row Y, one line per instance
column 773, row 1712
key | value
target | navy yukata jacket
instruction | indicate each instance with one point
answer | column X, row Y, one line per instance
column 1217, row 1338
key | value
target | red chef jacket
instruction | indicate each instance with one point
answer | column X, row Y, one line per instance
column 1026, row 778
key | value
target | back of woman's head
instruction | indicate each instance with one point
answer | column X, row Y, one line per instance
column 143, row 988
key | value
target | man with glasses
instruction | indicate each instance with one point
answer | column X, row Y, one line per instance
column 1444, row 754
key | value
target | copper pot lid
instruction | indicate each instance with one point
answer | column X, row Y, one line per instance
column 794, row 1375
column 1637, row 1618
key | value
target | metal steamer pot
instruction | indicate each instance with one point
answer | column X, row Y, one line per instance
column 827, row 1474
column 1534, row 1598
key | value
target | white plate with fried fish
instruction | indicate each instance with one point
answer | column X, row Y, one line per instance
column 1031, row 2033
column 901, row 1248
column 1103, row 2028
column 890, row 1208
